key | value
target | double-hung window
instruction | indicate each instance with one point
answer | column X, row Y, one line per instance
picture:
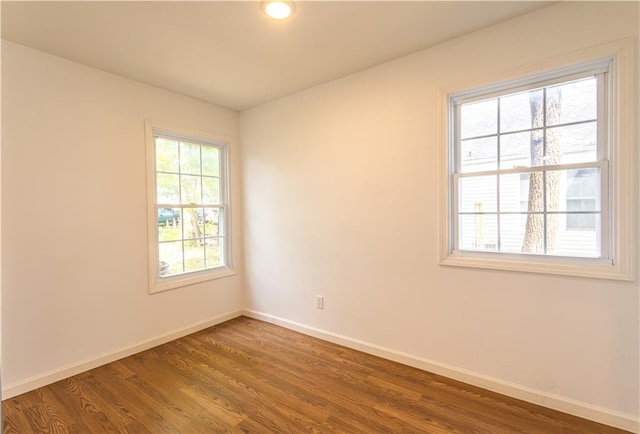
column 518, row 153
column 530, row 174
column 188, row 218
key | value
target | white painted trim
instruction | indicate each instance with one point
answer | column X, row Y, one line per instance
column 11, row 390
column 556, row 402
column 0, row 230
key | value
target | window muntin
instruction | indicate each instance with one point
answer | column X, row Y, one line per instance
column 532, row 140
column 190, row 204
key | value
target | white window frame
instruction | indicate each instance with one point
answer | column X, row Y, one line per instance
column 157, row 283
column 621, row 196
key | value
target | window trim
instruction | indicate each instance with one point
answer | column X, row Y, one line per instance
column 156, row 284
column 622, row 192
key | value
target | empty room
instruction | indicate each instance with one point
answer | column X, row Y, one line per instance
column 320, row 216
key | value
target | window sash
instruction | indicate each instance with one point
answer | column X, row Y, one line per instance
column 602, row 236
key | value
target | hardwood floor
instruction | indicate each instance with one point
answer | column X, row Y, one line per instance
column 249, row 376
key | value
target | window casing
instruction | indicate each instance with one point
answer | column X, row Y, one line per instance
column 585, row 211
column 188, row 207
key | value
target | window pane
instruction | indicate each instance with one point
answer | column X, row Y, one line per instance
column 533, row 241
column 478, row 194
column 575, row 190
column 200, row 212
column 212, row 222
column 579, row 222
column 512, row 227
column 582, row 205
column 213, row 251
column 171, row 261
column 512, row 198
column 583, row 183
column 169, row 224
column 190, row 226
column 190, row 158
column 582, row 243
column 166, row 155
column 167, row 189
column 210, row 191
column 515, row 150
column 193, row 255
column 479, row 154
column 553, row 185
column 478, row 232
column 532, row 191
column 575, row 143
column 479, row 119
column 210, row 161
column 578, row 101
column 169, row 233
column 515, row 111
column 191, row 190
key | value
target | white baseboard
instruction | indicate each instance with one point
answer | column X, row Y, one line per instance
column 11, row 390
column 552, row 401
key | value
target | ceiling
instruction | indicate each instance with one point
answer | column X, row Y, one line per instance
column 229, row 53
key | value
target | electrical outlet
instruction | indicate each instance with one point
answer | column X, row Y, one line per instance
column 319, row 302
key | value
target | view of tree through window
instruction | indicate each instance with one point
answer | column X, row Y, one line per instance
column 529, row 170
column 190, row 206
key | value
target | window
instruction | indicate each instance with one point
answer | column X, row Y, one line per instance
column 581, row 196
column 188, row 208
column 534, row 172
column 537, row 136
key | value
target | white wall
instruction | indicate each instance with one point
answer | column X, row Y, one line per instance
column 74, row 222
column 341, row 199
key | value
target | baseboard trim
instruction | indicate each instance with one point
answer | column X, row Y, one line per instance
column 11, row 390
column 552, row 401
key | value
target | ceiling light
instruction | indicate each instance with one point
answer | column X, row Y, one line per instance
column 278, row 10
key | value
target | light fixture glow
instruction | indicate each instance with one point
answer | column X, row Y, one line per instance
column 278, row 10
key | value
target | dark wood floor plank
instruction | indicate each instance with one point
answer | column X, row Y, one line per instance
column 43, row 418
column 125, row 393
column 248, row 370
column 248, row 376
column 82, row 397
column 481, row 403
column 15, row 423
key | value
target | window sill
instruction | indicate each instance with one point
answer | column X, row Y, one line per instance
column 564, row 266
column 179, row 281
